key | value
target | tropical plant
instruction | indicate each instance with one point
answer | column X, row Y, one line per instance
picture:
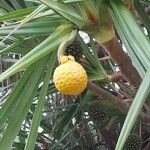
column 112, row 39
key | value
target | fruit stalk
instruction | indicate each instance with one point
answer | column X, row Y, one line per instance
column 69, row 40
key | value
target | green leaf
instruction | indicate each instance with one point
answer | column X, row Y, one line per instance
column 138, row 48
column 18, row 44
column 65, row 120
column 41, row 100
column 95, row 69
column 22, row 3
column 138, row 64
column 31, row 28
column 132, row 34
column 70, row 114
column 12, row 100
column 28, row 18
column 47, row 46
column 22, row 107
column 65, row 11
column 6, row 6
column 134, row 111
column 17, row 14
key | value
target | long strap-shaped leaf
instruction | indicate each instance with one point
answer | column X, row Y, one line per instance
column 12, row 100
column 17, row 13
column 28, row 18
column 138, row 47
column 22, row 107
column 13, row 47
column 38, row 112
column 134, row 111
column 47, row 46
column 32, row 28
column 95, row 70
column 141, row 69
column 65, row 11
column 66, row 119
column 142, row 41
column 133, row 33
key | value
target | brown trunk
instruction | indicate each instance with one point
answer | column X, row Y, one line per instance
column 101, row 93
column 123, row 106
column 124, row 62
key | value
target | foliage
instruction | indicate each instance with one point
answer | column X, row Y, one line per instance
column 33, row 114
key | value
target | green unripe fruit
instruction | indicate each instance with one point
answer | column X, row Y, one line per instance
column 134, row 142
column 97, row 111
column 75, row 50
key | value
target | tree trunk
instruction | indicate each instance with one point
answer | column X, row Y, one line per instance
column 124, row 62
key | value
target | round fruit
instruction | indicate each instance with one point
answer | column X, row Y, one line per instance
column 97, row 111
column 75, row 50
column 134, row 142
column 70, row 78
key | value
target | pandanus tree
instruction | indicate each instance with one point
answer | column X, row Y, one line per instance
column 99, row 96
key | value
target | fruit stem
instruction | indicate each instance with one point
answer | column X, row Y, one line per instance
column 65, row 43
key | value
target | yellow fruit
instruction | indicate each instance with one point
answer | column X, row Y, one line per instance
column 70, row 78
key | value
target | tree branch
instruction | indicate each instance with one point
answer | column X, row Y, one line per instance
column 119, row 103
column 101, row 93
column 124, row 62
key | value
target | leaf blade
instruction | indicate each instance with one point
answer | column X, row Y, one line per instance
column 135, row 110
column 38, row 112
column 23, row 106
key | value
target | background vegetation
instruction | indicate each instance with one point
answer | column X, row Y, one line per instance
column 112, row 45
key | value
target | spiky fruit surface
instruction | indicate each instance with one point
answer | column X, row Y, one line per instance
column 75, row 50
column 70, row 78
column 97, row 111
column 134, row 142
